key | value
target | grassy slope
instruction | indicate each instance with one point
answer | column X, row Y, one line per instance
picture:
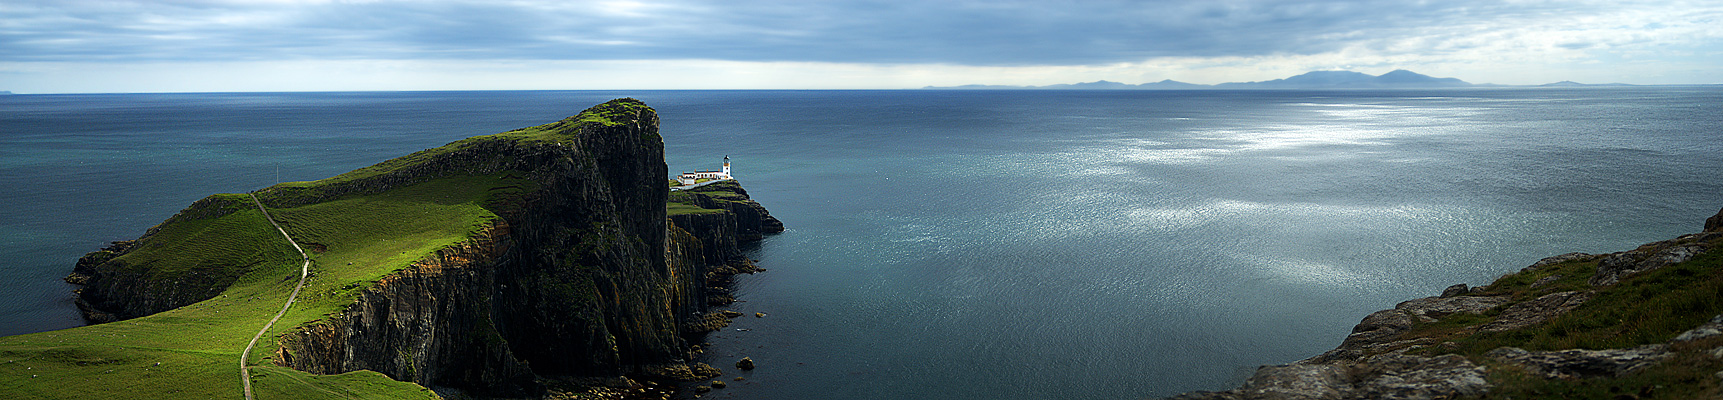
column 193, row 351
column 213, row 251
column 1647, row 308
column 682, row 202
column 198, row 345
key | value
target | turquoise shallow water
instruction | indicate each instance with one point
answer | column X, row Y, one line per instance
column 986, row 245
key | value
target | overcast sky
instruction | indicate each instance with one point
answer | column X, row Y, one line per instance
column 51, row 46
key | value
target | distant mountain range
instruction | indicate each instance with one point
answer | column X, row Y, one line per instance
column 1398, row 79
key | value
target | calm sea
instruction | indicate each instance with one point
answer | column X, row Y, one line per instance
column 974, row 244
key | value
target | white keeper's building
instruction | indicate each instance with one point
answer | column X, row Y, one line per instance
column 688, row 178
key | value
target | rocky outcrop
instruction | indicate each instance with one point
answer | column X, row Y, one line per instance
column 1570, row 364
column 1400, row 376
column 1650, row 256
column 1372, row 364
column 1428, row 309
column 1386, row 376
column 1536, row 311
column 1381, row 331
column 1709, row 329
column 743, row 219
column 1715, row 223
column 99, row 285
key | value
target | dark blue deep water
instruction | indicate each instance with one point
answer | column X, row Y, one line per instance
column 974, row 244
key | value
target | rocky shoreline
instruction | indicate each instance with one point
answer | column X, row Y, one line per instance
column 1414, row 350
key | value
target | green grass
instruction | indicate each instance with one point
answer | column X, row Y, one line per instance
column 675, row 208
column 727, row 190
column 202, row 255
column 1686, row 375
column 682, row 202
column 198, row 345
column 612, row 113
column 1646, row 308
column 272, row 382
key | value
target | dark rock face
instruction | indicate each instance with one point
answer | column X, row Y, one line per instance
column 100, row 286
column 1715, row 223
column 716, row 237
column 715, row 234
column 417, row 325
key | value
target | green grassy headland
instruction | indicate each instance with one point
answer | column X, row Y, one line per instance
column 354, row 238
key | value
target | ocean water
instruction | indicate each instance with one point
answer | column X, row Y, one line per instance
column 974, row 244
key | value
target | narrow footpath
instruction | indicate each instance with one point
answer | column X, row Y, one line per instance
column 304, row 269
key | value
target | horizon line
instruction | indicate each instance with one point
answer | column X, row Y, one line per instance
column 966, row 87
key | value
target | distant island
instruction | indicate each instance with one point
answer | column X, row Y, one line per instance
column 1397, row 79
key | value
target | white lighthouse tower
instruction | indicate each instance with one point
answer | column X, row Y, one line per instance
column 727, row 167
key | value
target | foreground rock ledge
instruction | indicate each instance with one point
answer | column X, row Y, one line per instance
column 1374, row 361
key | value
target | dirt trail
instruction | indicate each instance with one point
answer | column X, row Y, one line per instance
column 304, row 269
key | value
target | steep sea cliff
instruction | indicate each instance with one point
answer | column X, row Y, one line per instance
column 557, row 267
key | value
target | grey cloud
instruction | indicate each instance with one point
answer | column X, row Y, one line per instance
column 954, row 32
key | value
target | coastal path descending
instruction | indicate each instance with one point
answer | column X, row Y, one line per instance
column 304, row 269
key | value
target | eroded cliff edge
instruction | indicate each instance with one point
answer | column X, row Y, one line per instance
column 580, row 274
column 1637, row 324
